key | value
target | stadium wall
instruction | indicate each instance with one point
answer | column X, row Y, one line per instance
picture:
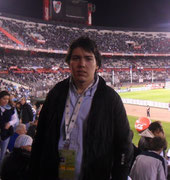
column 145, row 103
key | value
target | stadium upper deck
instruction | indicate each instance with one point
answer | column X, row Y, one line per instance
column 37, row 60
column 38, row 36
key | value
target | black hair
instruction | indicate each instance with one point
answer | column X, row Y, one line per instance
column 88, row 45
column 156, row 126
column 4, row 93
column 157, row 143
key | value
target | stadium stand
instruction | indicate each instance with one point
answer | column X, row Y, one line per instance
column 32, row 54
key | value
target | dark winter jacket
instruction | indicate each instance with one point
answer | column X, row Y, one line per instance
column 107, row 147
column 26, row 113
column 15, row 165
column 5, row 118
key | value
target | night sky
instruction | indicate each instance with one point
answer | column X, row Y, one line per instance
column 110, row 13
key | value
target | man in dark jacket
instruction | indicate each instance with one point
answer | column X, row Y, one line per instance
column 26, row 113
column 83, row 132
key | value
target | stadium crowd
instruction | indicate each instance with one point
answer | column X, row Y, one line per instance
column 39, row 73
column 25, row 74
column 14, row 159
column 32, row 34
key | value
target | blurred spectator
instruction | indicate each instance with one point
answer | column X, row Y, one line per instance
column 20, row 129
column 15, row 164
column 157, row 130
column 7, row 120
column 150, row 164
column 26, row 112
column 168, row 159
column 136, row 150
column 18, row 108
column 13, row 103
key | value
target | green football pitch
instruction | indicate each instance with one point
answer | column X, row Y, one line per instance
column 158, row 95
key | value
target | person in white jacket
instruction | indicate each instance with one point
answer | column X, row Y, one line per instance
column 7, row 119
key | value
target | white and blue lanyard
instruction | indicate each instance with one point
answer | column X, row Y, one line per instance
column 71, row 120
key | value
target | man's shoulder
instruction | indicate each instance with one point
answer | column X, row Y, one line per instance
column 153, row 155
column 59, row 89
column 27, row 105
column 60, row 85
column 107, row 89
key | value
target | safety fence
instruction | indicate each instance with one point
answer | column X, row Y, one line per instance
column 145, row 103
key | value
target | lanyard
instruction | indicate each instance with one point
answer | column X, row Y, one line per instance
column 70, row 120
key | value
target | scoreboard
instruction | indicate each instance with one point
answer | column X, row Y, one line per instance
column 73, row 11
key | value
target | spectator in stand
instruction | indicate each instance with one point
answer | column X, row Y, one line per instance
column 150, row 164
column 136, row 150
column 32, row 128
column 39, row 110
column 18, row 108
column 26, row 113
column 168, row 159
column 20, row 129
column 157, row 130
column 15, row 164
column 13, row 103
column 34, row 110
column 7, row 120
column 84, row 120
column 33, row 125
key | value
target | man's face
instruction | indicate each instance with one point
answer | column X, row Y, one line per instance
column 83, row 66
column 4, row 100
column 159, row 133
column 24, row 130
column 22, row 101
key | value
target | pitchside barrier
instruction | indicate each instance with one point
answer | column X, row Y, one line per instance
column 145, row 103
column 167, row 83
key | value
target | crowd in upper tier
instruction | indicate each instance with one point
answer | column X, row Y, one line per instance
column 36, row 34
column 40, row 71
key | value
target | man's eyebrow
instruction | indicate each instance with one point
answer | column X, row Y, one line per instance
column 81, row 56
column 75, row 55
column 88, row 56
